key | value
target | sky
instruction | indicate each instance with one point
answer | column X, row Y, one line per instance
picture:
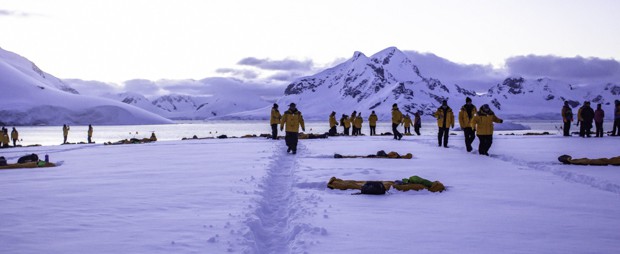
column 277, row 41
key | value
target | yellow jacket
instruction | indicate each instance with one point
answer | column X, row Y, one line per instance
column 397, row 116
column 292, row 120
column 347, row 123
column 449, row 118
column 407, row 122
column 357, row 122
column 579, row 118
column 5, row 138
column 332, row 121
column 464, row 119
column 90, row 132
column 372, row 119
column 14, row 135
column 65, row 131
column 275, row 116
column 483, row 123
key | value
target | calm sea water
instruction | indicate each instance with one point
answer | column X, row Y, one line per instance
column 52, row 135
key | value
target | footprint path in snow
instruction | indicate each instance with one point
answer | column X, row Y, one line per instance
column 549, row 167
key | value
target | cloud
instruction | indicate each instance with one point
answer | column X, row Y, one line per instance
column 564, row 68
column 142, row 86
column 219, row 86
column 286, row 76
column 14, row 13
column 268, row 64
column 246, row 74
column 91, row 87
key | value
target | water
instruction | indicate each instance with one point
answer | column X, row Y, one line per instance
column 52, row 135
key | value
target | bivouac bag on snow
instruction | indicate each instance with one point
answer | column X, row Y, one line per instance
column 28, row 158
column 373, row 188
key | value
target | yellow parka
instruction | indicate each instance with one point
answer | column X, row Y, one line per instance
column 372, row 119
column 347, row 122
column 293, row 120
column 357, row 122
column 407, row 122
column 464, row 118
column 90, row 131
column 579, row 118
column 14, row 135
column 483, row 123
column 449, row 117
column 397, row 116
column 65, row 130
column 5, row 138
column 275, row 116
column 332, row 121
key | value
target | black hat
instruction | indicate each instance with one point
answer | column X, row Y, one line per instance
column 275, row 105
column 292, row 104
column 394, row 105
column 565, row 102
column 467, row 99
column 444, row 102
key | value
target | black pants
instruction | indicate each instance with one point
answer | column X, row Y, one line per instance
column 443, row 132
column 274, row 131
column 346, row 131
column 291, row 140
column 485, row 144
column 332, row 131
column 567, row 128
column 407, row 130
column 14, row 142
column 65, row 140
column 416, row 128
column 90, row 139
column 354, row 131
column 470, row 136
column 397, row 134
column 599, row 129
column 586, row 129
column 616, row 130
column 373, row 130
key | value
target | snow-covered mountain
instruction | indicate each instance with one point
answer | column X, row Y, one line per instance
column 30, row 96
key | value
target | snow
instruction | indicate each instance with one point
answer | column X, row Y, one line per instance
column 250, row 196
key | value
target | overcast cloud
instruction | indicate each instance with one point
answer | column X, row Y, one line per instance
column 268, row 64
column 564, row 68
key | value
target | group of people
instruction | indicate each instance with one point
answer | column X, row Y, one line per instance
column 66, row 129
column 586, row 116
column 5, row 140
column 293, row 120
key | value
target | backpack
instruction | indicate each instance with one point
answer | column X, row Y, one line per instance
column 28, row 158
column 2, row 161
column 373, row 188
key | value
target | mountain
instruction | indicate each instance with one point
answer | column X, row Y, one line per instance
column 31, row 96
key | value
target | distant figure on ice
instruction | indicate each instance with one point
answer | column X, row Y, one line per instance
column 293, row 120
column 357, row 124
column 372, row 121
column 14, row 136
column 153, row 137
column 4, row 137
column 344, row 122
column 445, row 121
column 616, row 130
column 407, row 124
column 483, row 124
column 332, row 124
column 275, row 120
column 417, row 123
column 599, row 115
column 352, row 122
column 567, row 118
column 65, row 132
column 468, row 111
column 585, row 116
column 90, row 133
column 397, row 119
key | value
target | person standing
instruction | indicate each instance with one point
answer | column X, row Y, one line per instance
column 407, row 124
column 357, row 124
column 332, row 124
column 90, row 133
column 5, row 137
column 397, row 119
column 293, row 120
column 468, row 111
column 14, row 136
column 372, row 121
column 587, row 116
column 445, row 120
column 599, row 115
column 483, row 124
column 352, row 123
column 275, row 119
column 417, row 123
column 344, row 122
column 567, row 118
column 65, row 132
column 616, row 130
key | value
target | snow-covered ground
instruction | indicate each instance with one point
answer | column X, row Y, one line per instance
column 250, row 196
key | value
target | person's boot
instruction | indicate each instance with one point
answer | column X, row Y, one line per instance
column 294, row 151
column 288, row 150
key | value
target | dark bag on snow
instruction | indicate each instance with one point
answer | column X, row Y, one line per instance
column 2, row 161
column 28, row 158
column 373, row 188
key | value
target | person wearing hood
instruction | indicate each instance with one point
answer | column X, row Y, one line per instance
column 468, row 111
column 332, row 124
column 90, row 133
column 586, row 116
column 397, row 119
column 274, row 121
column 372, row 121
column 344, row 122
column 65, row 132
column 616, row 130
column 14, row 136
column 407, row 124
column 445, row 121
column 352, row 123
column 599, row 115
column 417, row 123
column 567, row 118
column 483, row 124
column 293, row 120
column 357, row 124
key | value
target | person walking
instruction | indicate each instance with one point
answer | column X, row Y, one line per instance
column 65, row 132
column 397, row 119
column 445, row 120
column 90, row 133
column 417, row 123
column 587, row 116
column 468, row 111
column 332, row 124
column 293, row 120
column 407, row 124
column 599, row 116
column 274, row 120
column 357, row 124
column 14, row 136
column 483, row 124
column 567, row 118
column 616, row 130
column 344, row 122
column 372, row 121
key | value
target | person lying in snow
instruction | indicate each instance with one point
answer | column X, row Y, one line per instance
column 380, row 154
column 567, row 159
column 418, row 184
